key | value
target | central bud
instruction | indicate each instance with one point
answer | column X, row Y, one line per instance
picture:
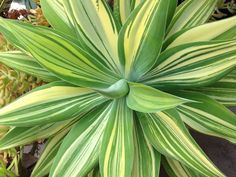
column 117, row 90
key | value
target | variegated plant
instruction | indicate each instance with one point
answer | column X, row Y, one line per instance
column 123, row 83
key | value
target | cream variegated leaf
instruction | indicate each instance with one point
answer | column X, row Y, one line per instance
column 44, row 163
column 72, row 63
column 146, row 159
column 117, row 146
column 207, row 116
column 175, row 169
column 147, row 99
column 27, row 64
column 50, row 103
column 191, row 13
column 79, row 152
column 224, row 90
column 219, row 30
column 144, row 28
column 193, row 65
column 167, row 133
column 96, row 27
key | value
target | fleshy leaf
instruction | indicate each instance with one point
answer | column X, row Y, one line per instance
column 208, row 116
column 224, row 91
column 175, row 169
column 193, row 65
column 96, row 28
column 79, row 152
column 47, row 157
column 50, row 103
column 55, row 14
column 191, row 13
column 62, row 56
column 146, row 159
column 147, row 99
column 117, row 148
column 144, row 28
column 18, row 136
column 167, row 133
column 27, row 64
column 219, row 30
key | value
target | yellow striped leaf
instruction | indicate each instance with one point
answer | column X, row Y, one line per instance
column 95, row 26
column 50, row 103
column 193, row 65
column 79, row 152
column 219, row 30
column 175, row 169
column 146, row 159
column 27, row 64
column 44, row 163
column 147, row 99
column 167, row 133
column 55, row 14
column 144, row 28
column 207, row 116
column 62, row 56
column 19, row 136
column 191, row 13
column 117, row 148
column 224, row 91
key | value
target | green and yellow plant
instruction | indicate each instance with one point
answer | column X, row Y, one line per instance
column 123, row 84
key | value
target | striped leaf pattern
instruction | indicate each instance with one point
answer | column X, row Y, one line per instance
column 43, row 166
column 191, row 13
column 123, row 9
column 175, row 169
column 79, row 152
column 117, row 148
column 72, row 63
column 224, row 91
column 18, row 136
column 146, row 159
column 193, row 65
column 219, row 30
column 147, row 99
column 167, row 133
column 27, row 64
column 208, row 116
column 55, row 14
column 96, row 27
column 144, row 28
column 50, row 103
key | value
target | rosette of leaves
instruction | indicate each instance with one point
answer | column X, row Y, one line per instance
column 123, row 85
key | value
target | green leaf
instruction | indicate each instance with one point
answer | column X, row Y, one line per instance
column 117, row 146
column 175, row 169
column 123, row 9
column 192, row 65
column 167, row 133
column 18, row 136
column 219, row 30
column 144, row 28
column 147, row 99
column 50, row 103
column 27, row 64
column 146, row 159
column 208, row 116
column 96, row 29
column 191, row 13
column 224, row 91
column 47, row 157
column 62, row 56
column 78, row 154
column 55, row 14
